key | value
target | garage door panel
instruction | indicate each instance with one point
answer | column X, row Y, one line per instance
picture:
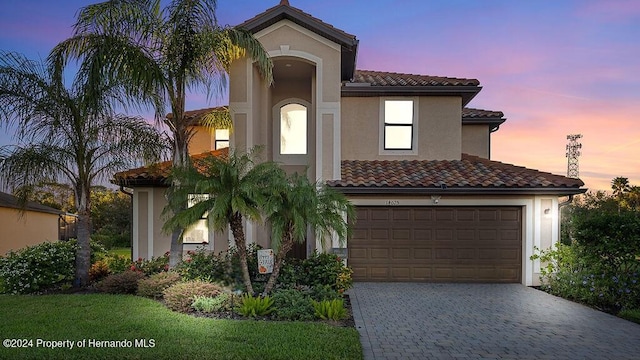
column 464, row 244
column 379, row 254
column 421, row 273
column 379, row 272
column 422, row 254
column 401, row 254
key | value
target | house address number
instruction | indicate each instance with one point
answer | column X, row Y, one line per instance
column 393, row 202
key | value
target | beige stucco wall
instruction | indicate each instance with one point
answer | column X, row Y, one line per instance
column 439, row 128
column 149, row 240
column 476, row 140
column 202, row 140
column 30, row 228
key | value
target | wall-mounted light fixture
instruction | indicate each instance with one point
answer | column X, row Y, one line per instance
column 547, row 211
column 435, row 199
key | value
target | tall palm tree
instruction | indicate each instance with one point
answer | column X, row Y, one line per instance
column 234, row 187
column 67, row 136
column 620, row 185
column 296, row 205
column 156, row 55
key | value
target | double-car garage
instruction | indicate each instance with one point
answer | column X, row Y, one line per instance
column 436, row 244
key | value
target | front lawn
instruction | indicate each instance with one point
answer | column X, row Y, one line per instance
column 99, row 317
column 126, row 252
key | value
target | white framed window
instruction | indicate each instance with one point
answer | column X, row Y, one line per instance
column 221, row 139
column 291, row 128
column 398, row 126
column 198, row 232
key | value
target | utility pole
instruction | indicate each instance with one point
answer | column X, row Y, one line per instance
column 573, row 152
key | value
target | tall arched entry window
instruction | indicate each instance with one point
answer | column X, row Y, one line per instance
column 293, row 129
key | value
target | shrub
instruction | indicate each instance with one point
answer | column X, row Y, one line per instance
column 180, row 296
column 154, row 285
column 122, row 283
column 151, row 266
column 207, row 304
column 39, row 267
column 330, row 309
column 117, row 263
column 612, row 239
column 99, row 270
column 255, row 306
column 324, row 292
column 292, row 304
column 205, row 265
column 325, row 269
column 570, row 272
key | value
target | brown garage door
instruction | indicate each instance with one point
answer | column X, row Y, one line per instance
column 448, row 244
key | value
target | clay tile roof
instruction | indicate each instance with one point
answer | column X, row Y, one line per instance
column 157, row 174
column 469, row 173
column 480, row 114
column 380, row 78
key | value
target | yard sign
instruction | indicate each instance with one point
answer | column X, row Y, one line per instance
column 265, row 261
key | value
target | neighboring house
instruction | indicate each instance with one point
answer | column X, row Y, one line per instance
column 25, row 226
column 406, row 150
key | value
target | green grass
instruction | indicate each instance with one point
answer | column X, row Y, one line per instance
column 176, row 336
column 121, row 251
column 631, row 315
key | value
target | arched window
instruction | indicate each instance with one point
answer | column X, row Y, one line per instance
column 293, row 129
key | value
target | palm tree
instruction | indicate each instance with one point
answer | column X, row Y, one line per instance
column 67, row 136
column 234, row 187
column 297, row 205
column 156, row 55
column 620, row 185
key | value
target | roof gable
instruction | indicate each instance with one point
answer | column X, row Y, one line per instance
column 284, row 11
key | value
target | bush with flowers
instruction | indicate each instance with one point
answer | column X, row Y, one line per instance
column 151, row 266
column 38, row 268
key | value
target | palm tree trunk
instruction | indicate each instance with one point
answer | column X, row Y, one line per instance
column 180, row 160
column 285, row 246
column 238, row 234
column 83, row 254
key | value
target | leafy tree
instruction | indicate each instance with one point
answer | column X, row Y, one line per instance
column 234, row 187
column 295, row 205
column 57, row 196
column 67, row 136
column 156, row 55
column 111, row 216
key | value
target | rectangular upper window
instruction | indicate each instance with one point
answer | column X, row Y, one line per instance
column 222, row 139
column 398, row 124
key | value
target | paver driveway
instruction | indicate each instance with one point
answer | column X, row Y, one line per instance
column 484, row 321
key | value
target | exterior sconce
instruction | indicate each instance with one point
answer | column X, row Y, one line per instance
column 547, row 211
column 435, row 199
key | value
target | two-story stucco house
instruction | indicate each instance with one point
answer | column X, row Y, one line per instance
column 406, row 149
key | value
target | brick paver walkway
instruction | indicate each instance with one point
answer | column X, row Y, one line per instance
column 484, row 321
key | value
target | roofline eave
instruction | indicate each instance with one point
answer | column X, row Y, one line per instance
column 458, row 191
column 466, row 92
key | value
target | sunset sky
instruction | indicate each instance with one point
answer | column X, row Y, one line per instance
column 554, row 67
